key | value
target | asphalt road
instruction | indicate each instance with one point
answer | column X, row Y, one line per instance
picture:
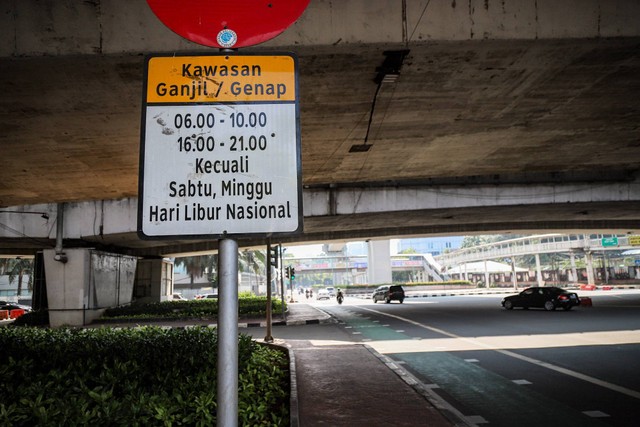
column 520, row 367
column 510, row 368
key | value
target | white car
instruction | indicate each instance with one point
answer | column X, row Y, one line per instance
column 207, row 296
column 332, row 291
column 322, row 294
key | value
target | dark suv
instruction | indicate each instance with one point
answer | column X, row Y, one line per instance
column 388, row 293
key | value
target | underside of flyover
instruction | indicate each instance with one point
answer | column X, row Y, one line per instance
column 421, row 113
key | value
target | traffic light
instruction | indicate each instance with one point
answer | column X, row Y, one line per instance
column 292, row 273
column 273, row 256
column 287, row 271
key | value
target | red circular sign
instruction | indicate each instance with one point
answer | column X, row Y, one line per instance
column 207, row 22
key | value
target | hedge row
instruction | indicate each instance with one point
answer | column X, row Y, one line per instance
column 132, row 377
column 193, row 309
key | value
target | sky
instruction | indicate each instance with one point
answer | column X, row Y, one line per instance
column 314, row 250
column 304, row 250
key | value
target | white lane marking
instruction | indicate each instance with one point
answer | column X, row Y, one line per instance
column 605, row 384
column 477, row 419
column 596, row 414
column 472, row 360
column 521, row 382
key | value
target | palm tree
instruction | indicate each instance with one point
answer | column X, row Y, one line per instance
column 18, row 268
column 252, row 261
column 198, row 266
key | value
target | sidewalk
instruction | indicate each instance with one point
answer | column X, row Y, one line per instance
column 352, row 385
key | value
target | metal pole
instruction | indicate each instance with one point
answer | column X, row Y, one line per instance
column 280, row 250
column 228, row 334
column 268, row 337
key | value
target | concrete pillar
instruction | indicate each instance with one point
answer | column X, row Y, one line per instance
column 154, row 280
column 85, row 284
column 379, row 262
column 514, row 277
column 486, row 274
column 591, row 280
column 539, row 271
column 574, row 270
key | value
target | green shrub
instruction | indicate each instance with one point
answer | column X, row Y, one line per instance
column 248, row 306
column 128, row 377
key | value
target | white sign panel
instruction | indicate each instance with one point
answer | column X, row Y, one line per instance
column 220, row 152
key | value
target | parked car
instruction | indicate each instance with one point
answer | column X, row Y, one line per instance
column 207, row 296
column 548, row 298
column 388, row 293
column 178, row 297
column 6, row 305
column 322, row 294
column 13, row 311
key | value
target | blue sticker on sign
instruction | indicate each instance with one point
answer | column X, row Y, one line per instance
column 227, row 38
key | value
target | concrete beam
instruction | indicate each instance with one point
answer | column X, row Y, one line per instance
column 72, row 27
column 358, row 212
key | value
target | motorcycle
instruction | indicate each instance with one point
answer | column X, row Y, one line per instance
column 339, row 297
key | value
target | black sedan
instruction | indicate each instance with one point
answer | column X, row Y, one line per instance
column 548, row 298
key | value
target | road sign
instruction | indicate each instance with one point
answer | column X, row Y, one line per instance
column 634, row 240
column 609, row 241
column 220, row 146
column 228, row 23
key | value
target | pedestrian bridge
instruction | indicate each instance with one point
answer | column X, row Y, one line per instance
column 353, row 269
column 539, row 244
column 575, row 245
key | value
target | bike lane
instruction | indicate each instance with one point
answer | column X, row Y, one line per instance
column 480, row 394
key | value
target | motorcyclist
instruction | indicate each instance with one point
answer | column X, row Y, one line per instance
column 339, row 296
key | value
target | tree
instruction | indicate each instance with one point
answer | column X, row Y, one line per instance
column 198, row 266
column 18, row 268
column 407, row 251
column 252, row 261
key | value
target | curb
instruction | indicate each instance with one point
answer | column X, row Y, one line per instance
column 294, row 412
column 287, row 323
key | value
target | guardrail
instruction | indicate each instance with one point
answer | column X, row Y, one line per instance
column 547, row 243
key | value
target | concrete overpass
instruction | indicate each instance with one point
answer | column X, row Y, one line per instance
column 502, row 116
column 510, row 115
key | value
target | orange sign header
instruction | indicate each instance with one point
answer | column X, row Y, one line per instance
column 221, row 78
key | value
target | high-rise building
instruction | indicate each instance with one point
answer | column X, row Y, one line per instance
column 431, row 245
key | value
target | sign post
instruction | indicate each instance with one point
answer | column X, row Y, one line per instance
column 220, row 158
column 220, row 150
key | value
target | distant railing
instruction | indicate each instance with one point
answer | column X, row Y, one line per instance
column 539, row 244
